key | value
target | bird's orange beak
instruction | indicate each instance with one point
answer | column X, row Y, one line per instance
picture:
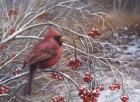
column 62, row 39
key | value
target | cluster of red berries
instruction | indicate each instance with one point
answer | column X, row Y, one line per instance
column 94, row 33
column 74, row 63
column 58, row 99
column 87, row 77
column 57, row 76
column 3, row 46
column 17, row 71
column 11, row 31
column 124, row 99
column 115, row 86
column 4, row 89
column 89, row 95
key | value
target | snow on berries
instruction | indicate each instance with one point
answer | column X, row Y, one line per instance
column 88, row 95
column 57, row 76
column 100, row 87
column 74, row 63
column 124, row 99
column 58, row 99
column 4, row 89
column 115, row 86
column 87, row 77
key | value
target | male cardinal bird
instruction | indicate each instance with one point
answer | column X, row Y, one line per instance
column 44, row 55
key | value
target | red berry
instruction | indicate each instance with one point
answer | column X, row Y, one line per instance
column 17, row 71
column 94, row 33
column 82, row 89
column 88, row 95
column 61, row 98
column 117, row 85
column 95, row 93
column 124, row 98
column 58, row 99
column 111, row 87
column 55, row 99
column 60, row 78
column 57, row 76
column 100, row 87
column 87, row 77
column 3, row 46
column 4, row 89
column 74, row 63
column 86, row 98
column 87, row 73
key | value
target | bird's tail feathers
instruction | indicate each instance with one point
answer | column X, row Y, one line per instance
column 28, row 88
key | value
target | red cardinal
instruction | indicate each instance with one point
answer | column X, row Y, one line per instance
column 44, row 55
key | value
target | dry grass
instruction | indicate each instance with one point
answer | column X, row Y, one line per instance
column 121, row 19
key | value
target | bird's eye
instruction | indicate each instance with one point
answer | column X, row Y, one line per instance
column 58, row 39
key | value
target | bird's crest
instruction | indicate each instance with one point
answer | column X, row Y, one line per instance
column 52, row 33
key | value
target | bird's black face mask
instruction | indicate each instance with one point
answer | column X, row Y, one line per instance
column 59, row 39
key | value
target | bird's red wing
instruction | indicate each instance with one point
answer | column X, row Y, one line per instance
column 42, row 51
column 43, row 56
